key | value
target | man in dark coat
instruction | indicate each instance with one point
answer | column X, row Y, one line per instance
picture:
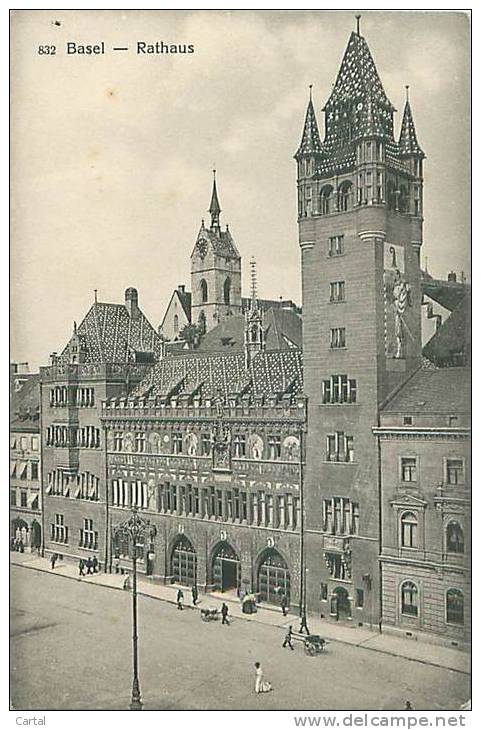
column 284, row 605
column 53, row 560
column 225, row 612
column 81, row 566
column 88, row 565
column 195, row 595
column 288, row 639
column 180, row 600
column 95, row 563
column 304, row 624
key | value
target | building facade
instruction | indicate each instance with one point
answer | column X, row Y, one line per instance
column 25, row 466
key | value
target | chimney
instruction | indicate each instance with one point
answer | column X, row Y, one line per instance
column 132, row 301
column 452, row 276
column 181, row 288
column 53, row 358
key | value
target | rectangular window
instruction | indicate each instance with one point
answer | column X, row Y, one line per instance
column 336, row 246
column 140, row 442
column 337, row 291
column 408, row 421
column 177, row 442
column 339, row 447
column 340, row 516
column 454, row 471
column 118, row 441
column 34, row 470
column 34, row 443
column 88, row 538
column 58, row 530
column 323, row 592
column 359, row 597
column 13, row 497
column 338, row 338
column 206, row 443
column 23, row 443
column 274, row 446
column 408, row 469
column 239, row 445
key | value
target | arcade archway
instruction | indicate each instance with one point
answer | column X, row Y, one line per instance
column 183, row 563
column 226, row 569
column 273, row 577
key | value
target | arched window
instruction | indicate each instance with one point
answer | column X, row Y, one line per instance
column 344, row 195
column 202, row 323
column 454, row 538
column 227, row 291
column 203, row 290
column 409, row 599
column 454, row 607
column 325, row 200
column 176, row 323
column 409, row 529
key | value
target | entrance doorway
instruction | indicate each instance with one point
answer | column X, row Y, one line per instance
column 340, row 603
column 184, row 562
column 36, row 536
column 226, row 568
column 273, row 578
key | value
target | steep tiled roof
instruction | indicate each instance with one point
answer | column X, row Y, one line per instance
column 25, row 405
column 310, row 142
column 447, row 390
column 451, row 344
column 282, row 331
column 408, row 143
column 185, row 298
column 109, row 334
column 446, row 293
column 225, row 374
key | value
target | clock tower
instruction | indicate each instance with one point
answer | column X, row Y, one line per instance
column 215, row 271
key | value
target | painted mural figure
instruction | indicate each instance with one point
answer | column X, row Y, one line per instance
column 401, row 300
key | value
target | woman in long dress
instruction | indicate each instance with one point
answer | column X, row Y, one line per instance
column 261, row 684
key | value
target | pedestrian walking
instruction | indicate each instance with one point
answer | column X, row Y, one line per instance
column 195, row 595
column 12, row 544
column 21, row 546
column 116, row 564
column 88, row 565
column 409, row 706
column 127, row 583
column 95, row 564
column 304, row 624
column 261, row 685
column 53, row 560
column 288, row 639
column 81, row 566
column 225, row 612
column 180, row 600
column 284, row 605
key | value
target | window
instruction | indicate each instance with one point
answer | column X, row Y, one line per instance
column 176, row 323
column 452, row 420
column 338, row 338
column 340, row 447
column 34, row 470
column 408, row 420
column 339, row 389
column 337, row 566
column 13, row 497
column 408, row 469
column 454, row 538
column 88, row 536
column 454, row 607
column 206, row 443
column 323, row 592
column 227, row 291
column 340, row 516
column 344, row 196
column 409, row 528
column 58, row 530
column 34, row 443
column 177, row 442
column 336, row 246
column 140, row 442
column 359, row 598
column 409, row 599
column 454, row 471
column 13, row 442
column 23, row 498
column 23, row 443
column 274, row 446
column 118, row 441
column 337, row 291
column 204, row 295
column 239, row 445
column 325, row 200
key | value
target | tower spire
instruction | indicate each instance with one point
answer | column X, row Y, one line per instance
column 358, row 24
column 253, row 283
column 311, row 141
column 408, row 142
column 215, row 208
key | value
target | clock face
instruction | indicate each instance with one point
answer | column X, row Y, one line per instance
column 202, row 246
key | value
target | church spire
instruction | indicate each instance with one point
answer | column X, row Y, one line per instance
column 408, row 143
column 311, row 141
column 254, row 329
column 215, row 208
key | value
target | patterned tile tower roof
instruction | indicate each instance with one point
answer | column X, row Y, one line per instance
column 311, row 141
column 114, row 333
column 408, row 142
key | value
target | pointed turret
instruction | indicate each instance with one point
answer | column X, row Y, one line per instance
column 254, row 329
column 408, row 143
column 215, row 208
column 311, row 141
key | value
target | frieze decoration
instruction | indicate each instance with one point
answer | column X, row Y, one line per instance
column 391, row 434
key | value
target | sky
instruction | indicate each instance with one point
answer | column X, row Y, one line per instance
column 112, row 155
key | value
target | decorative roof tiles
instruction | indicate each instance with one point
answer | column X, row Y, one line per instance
column 311, row 141
column 408, row 143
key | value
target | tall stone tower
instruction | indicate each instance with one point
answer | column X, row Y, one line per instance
column 360, row 233
column 215, row 271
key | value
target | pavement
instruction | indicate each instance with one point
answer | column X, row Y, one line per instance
column 71, row 649
column 455, row 659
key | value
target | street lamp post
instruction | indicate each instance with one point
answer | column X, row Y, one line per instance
column 135, row 529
